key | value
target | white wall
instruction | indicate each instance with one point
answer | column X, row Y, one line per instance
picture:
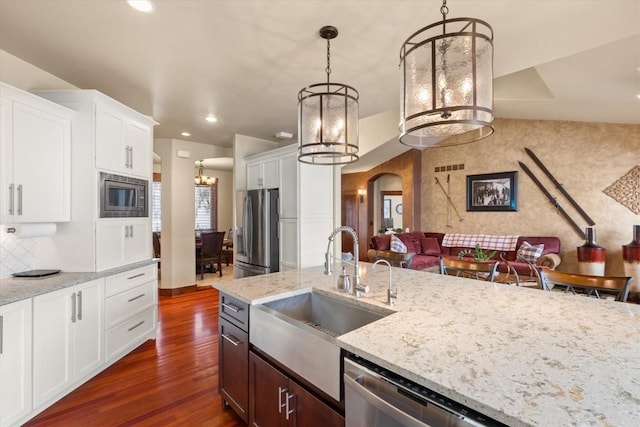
column 178, row 223
column 225, row 197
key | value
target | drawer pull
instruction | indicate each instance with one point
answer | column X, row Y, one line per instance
column 135, row 298
column 232, row 307
column 135, row 326
column 137, row 275
column 231, row 339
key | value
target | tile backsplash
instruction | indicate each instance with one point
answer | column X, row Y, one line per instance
column 16, row 255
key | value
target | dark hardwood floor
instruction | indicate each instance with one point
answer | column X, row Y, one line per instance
column 172, row 381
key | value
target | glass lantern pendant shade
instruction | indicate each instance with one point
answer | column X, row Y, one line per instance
column 447, row 83
column 328, row 119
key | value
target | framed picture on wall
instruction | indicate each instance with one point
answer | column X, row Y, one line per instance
column 492, row 192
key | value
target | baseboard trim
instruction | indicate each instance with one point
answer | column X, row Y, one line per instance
column 172, row 292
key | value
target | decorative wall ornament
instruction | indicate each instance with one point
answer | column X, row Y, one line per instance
column 626, row 190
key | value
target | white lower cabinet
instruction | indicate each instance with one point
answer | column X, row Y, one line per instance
column 130, row 310
column 120, row 242
column 67, row 339
column 15, row 362
column 52, row 343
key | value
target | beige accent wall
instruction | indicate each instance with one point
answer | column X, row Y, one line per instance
column 584, row 157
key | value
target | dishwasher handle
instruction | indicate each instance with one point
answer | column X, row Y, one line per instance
column 352, row 385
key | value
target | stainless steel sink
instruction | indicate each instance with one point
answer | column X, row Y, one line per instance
column 300, row 332
column 326, row 314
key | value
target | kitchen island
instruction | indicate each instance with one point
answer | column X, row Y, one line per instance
column 521, row 356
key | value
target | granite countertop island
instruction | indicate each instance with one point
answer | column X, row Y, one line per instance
column 521, row 356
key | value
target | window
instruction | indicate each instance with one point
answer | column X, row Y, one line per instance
column 206, row 207
column 156, row 205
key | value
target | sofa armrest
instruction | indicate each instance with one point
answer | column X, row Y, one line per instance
column 549, row 260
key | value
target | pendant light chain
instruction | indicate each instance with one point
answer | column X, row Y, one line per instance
column 328, row 69
column 444, row 9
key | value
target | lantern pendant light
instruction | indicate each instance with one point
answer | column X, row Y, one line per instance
column 447, row 83
column 328, row 118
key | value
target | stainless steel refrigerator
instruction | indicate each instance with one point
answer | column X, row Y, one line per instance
column 257, row 236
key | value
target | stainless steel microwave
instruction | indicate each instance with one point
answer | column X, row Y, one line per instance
column 123, row 196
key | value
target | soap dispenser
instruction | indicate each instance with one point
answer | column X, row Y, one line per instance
column 344, row 283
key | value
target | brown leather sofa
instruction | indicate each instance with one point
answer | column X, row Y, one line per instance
column 428, row 248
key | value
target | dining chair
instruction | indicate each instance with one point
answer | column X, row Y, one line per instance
column 396, row 259
column 156, row 244
column 210, row 251
column 479, row 270
column 583, row 284
column 227, row 252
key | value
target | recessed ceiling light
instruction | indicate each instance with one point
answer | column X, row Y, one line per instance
column 145, row 6
column 211, row 119
column 185, row 134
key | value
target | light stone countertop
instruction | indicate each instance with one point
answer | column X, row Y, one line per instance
column 15, row 289
column 521, row 356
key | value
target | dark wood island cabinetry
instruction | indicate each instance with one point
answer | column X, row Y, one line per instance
column 234, row 354
column 277, row 400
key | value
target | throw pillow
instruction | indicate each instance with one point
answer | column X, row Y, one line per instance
column 529, row 252
column 397, row 245
column 430, row 246
column 410, row 242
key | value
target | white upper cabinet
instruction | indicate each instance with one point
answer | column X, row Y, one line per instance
column 122, row 241
column 262, row 173
column 122, row 144
column 35, row 158
column 111, row 137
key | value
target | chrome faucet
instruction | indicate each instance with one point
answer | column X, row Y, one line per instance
column 392, row 294
column 328, row 259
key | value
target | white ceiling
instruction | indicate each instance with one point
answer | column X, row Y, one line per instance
column 245, row 61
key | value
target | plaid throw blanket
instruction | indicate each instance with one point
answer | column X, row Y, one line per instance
column 486, row 241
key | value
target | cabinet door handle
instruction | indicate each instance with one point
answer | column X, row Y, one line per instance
column 280, row 404
column 73, row 307
column 1, row 334
column 79, row 305
column 232, row 307
column 19, row 199
column 135, row 298
column 137, row 275
column 126, row 232
column 11, row 197
column 131, row 157
column 135, row 326
column 287, row 410
column 231, row 339
column 131, row 231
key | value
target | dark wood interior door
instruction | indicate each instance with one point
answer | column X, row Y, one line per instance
column 350, row 219
column 267, row 390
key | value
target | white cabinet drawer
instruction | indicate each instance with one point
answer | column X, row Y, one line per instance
column 129, row 279
column 125, row 304
column 128, row 335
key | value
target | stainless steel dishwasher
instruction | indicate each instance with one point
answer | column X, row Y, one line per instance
column 377, row 397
